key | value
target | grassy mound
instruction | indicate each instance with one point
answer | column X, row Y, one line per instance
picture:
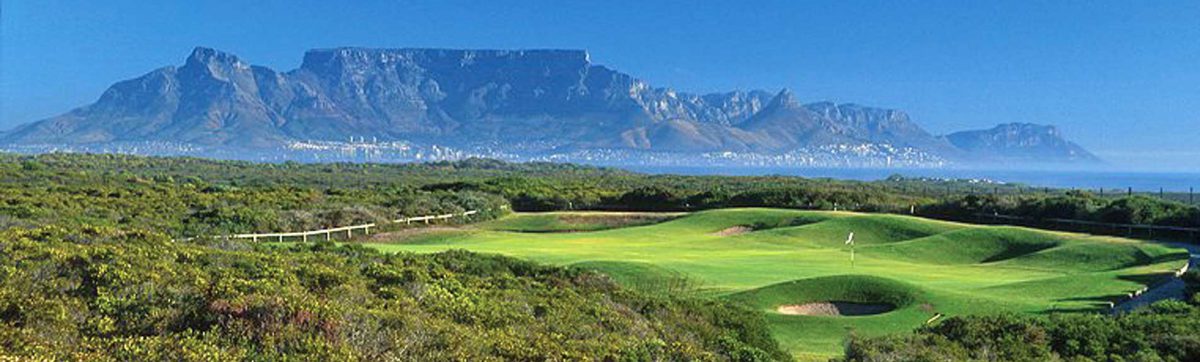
column 971, row 245
column 868, row 229
column 815, row 337
column 864, row 289
column 757, row 219
column 574, row 221
column 1097, row 254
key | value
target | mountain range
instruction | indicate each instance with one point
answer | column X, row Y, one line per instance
column 519, row 104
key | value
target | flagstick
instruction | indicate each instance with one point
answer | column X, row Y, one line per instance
column 850, row 241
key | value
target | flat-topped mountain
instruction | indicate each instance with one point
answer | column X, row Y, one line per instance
column 1020, row 142
column 519, row 103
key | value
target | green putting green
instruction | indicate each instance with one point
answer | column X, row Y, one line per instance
column 769, row 258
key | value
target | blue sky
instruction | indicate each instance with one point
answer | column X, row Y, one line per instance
column 1122, row 78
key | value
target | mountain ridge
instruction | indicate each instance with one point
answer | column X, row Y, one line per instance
column 529, row 102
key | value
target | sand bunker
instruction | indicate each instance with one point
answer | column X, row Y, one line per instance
column 834, row 309
column 735, row 230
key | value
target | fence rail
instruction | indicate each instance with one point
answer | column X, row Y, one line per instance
column 349, row 230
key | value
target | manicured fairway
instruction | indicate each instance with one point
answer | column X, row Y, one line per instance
column 770, row 257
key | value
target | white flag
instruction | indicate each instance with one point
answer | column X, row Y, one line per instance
column 850, row 239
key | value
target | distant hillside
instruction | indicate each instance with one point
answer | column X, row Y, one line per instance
column 520, row 104
column 1022, row 142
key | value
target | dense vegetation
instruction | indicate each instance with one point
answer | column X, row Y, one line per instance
column 1074, row 205
column 186, row 196
column 1166, row 331
column 104, row 294
column 189, row 197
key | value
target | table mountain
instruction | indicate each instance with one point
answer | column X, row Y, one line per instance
column 521, row 103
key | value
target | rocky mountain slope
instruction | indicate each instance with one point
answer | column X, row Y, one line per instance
column 521, row 103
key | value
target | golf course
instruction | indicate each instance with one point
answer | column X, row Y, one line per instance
column 796, row 265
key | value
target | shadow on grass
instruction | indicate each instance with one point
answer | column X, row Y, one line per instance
column 1097, row 299
column 1148, row 279
column 1071, row 310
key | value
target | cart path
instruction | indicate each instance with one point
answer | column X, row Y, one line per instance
column 1173, row 289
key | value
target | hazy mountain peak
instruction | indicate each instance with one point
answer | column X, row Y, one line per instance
column 321, row 58
column 784, row 99
column 207, row 62
column 1021, row 142
column 1026, row 129
column 203, row 56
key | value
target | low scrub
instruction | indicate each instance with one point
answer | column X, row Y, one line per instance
column 104, row 295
